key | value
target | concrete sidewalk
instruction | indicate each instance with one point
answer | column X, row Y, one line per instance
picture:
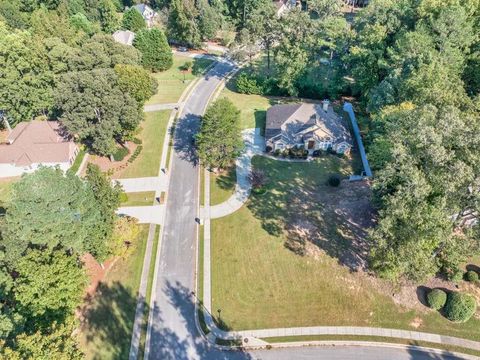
column 158, row 107
column 154, row 214
column 156, row 183
column 254, row 145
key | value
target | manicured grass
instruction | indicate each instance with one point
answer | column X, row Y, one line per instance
column 5, row 190
column 253, row 108
column 139, row 198
column 370, row 339
column 222, row 185
column 111, row 316
column 258, row 283
column 171, row 82
column 152, row 135
column 78, row 161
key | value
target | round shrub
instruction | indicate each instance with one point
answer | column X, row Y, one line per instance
column 436, row 299
column 460, row 307
column 471, row 276
column 334, row 180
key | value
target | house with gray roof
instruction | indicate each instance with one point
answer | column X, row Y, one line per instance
column 306, row 125
column 147, row 12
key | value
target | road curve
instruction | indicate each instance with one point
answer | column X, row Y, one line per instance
column 172, row 333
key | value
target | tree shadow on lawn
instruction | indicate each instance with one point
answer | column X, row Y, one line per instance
column 301, row 207
column 227, row 179
column 108, row 320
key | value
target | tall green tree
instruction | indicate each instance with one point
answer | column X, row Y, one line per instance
column 133, row 20
column 108, row 16
column 156, row 53
column 26, row 82
column 182, row 25
column 93, row 108
column 49, row 209
column 136, row 81
column 219, row 140
column 107, row 200
column 49, row 285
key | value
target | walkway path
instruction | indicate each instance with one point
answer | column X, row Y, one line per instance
column 158, row 107
column 153, row 214
column 254, row 145
column 156, row 183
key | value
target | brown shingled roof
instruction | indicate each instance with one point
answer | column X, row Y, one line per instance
column 37, row 142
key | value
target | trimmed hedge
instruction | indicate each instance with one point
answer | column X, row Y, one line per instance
column 471, row 276
column 436, row 299
column 460, row 307
column 120, row 154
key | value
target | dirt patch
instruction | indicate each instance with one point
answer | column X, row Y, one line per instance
column 334, row 219
column 115, row 168
column 96, row 273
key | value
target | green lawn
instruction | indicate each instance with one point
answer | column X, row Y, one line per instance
column 222, row 185
column 5, row 189
column 110, row 319
column 152, row 135
column 78, row 160
column 139, row 198
column 259, row 283
column 171, row 82
column 253, row 108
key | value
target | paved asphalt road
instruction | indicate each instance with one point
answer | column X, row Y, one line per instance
column 173, row 334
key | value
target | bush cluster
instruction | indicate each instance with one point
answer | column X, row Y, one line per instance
column 471, row 276
column 436, row 299
column 460, row 307
column 135, row 154
column 137, row 141
column 120, row 154
column 334, row 180
column 249, row 83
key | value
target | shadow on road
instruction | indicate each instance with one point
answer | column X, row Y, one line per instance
column 166, row 344
column 183, row 143
column 422, row 355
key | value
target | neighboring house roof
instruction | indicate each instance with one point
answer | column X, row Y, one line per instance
column 37, row 142
column 296, row 123
column 146, row 11
column 124, row 37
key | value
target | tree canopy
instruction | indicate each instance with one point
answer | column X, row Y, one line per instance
column 92, row 106
column 219, row 140
column 156, row 53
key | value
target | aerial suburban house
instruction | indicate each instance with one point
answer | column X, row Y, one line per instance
column 124, row 37
column 306, row 125
column 35, row 143
column 149, row 15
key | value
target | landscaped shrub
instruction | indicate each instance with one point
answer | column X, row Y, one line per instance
column 276, row 152
column 460, row 307
column 120, row 154
column 436, row 299
column 268, row 149
column 135, row 154
column 137, row 141
column 471, row 276
column 456, row 275
column 248, row 84
column 334, row 180
column 123, row 197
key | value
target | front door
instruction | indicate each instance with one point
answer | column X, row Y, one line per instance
column 311, row 144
